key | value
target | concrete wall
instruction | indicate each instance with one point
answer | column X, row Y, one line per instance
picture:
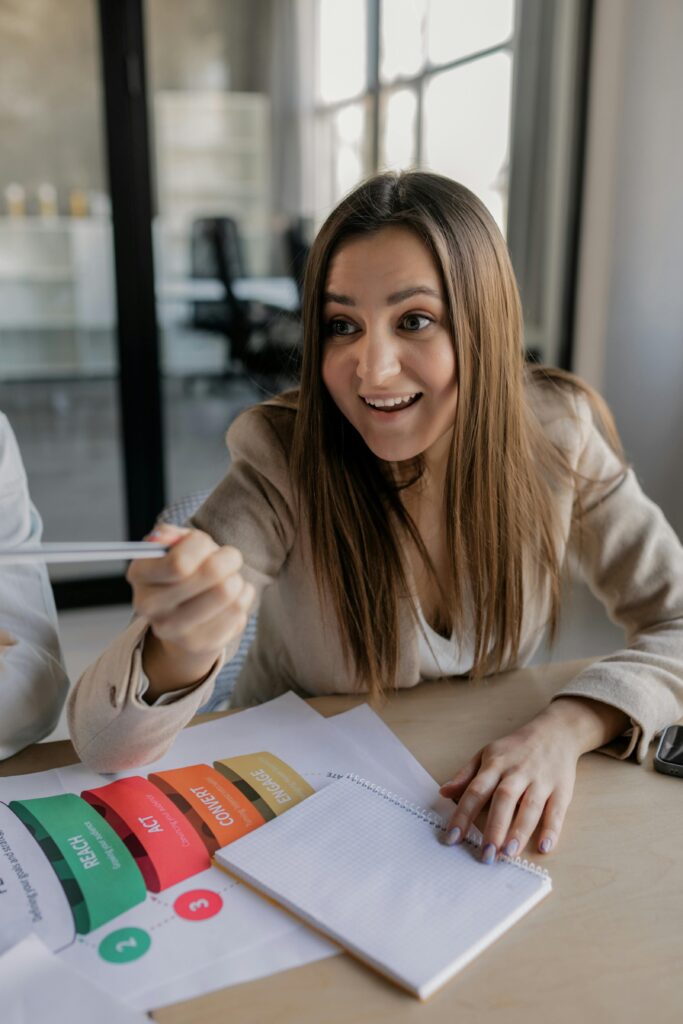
column 50, row 96
column 208, row 44
column 51, row 120
column 629, row 340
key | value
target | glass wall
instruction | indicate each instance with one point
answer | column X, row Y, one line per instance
column 208, row 75
column 58, row 365
column 262, row 114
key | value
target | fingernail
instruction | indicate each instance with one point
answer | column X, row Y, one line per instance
column 511, row 848
column 546, row 845
column 452, row 837
column 154, row 535
column 489, row 854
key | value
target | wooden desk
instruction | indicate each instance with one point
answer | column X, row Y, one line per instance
column 606, row 945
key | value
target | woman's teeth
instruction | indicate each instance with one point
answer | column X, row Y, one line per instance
column 392, row 404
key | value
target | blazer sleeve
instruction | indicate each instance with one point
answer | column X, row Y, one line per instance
column 252, row 508
column 33, row 682
column 112, row 728
column 632, row 561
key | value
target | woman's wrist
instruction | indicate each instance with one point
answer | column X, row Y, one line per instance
column 592, row 722
column 169, row 667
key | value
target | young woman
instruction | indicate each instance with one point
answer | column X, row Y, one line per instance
column 406, row 513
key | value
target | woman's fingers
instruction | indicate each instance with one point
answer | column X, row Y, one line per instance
column 470, row 804
column 194, row 598
column 183, row 624
column 503, row 806
column 216, row 633
column 553, row 820
column 528, row 815
column 217, row 568
column 462, row 778
column 194, row 565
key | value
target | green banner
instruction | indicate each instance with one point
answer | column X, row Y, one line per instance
column 97, row 872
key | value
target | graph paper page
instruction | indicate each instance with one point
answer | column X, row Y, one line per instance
column 370, row 872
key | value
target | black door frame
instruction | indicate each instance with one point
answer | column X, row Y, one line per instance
column 122, row 50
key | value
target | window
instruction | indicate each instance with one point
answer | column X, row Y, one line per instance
column 413, row 83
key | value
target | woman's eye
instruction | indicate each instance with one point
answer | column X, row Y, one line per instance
column 341, row 328
column 415, row 322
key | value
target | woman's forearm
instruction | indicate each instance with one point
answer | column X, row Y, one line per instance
column 592, row 722
column 169, row 668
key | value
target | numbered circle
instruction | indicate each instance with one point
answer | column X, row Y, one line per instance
column 198, row 905
column 125, row 945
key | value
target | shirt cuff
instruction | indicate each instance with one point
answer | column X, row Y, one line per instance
column 164, row 698
column 171, row 696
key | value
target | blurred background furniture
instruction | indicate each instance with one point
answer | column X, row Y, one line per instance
column 248, row 323
column 297, row 248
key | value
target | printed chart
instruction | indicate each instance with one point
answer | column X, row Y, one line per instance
column 116, row 876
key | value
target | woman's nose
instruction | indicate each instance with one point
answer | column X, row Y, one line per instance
column 378, row 359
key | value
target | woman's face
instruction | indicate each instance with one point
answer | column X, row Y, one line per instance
column 388, row 360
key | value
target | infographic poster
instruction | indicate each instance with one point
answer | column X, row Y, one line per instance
column 118, row 873
column 115, row 874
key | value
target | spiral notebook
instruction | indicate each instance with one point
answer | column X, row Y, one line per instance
column 368, row 870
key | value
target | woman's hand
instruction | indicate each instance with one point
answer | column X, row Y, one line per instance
column 528, row 777
column 195, row 601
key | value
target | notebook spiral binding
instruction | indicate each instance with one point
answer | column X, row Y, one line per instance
column 434, row 819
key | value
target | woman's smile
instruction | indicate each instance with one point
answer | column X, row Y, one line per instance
column 391, row 406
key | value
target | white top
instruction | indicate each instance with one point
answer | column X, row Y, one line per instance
column 33, row 682
column 440, row 655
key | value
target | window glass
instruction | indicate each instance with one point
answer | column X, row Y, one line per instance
column 59, row 367
column 398, row 116
column 342, row 54
column 456, row 28
column 469, row 140
column 215, row 158
column 401, row 38
column 341, row 154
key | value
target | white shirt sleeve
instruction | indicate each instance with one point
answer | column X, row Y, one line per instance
column 33, row 682
column 163, row 698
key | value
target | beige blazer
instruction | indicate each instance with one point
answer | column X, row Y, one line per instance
column 629, row 555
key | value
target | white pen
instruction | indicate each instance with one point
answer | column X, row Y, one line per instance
column 96, row 551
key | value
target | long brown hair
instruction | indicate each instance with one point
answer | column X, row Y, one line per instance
column 499, row 514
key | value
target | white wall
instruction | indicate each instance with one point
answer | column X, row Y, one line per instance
column 629, row 340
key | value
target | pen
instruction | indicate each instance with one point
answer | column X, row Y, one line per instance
column 97, row 551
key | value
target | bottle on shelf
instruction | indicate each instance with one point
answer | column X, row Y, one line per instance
column 15, row 200
column 78, row 202
column 47, row 200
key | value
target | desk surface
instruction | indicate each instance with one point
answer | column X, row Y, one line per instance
column 604, row 946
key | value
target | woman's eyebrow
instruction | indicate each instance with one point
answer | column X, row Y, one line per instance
column 405, row 293
column 343, row 300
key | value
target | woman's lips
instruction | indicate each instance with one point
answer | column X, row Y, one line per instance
column 396, row 406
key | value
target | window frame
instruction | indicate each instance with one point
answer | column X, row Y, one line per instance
column 376, row 90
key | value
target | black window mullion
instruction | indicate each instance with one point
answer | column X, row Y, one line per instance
column 575, row 192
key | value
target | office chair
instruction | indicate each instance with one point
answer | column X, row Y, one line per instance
column 217, row 253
